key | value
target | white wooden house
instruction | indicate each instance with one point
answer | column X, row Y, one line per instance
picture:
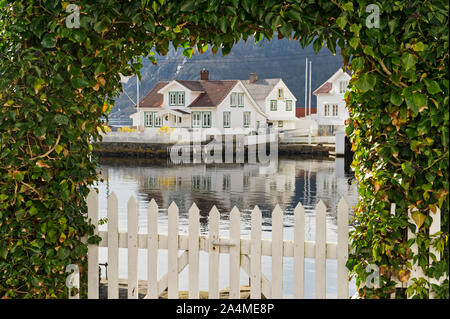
column 220, row 104
column 331, row 109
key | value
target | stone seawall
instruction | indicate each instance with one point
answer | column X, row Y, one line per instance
column 158, row 150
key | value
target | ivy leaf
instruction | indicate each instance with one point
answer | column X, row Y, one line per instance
column 418, row 218
column 432, row 86
column 396, row 99
column 341, row 21
column 49, row 40
column 348, row 6
column 188, row 6
column 366, row 82
column 408, row 61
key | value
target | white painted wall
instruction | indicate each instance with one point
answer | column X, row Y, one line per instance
column 281, row 106
column 333, row 97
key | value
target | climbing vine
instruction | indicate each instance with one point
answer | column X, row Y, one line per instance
column 60, row 68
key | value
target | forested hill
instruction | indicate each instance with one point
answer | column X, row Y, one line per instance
column 278, row 58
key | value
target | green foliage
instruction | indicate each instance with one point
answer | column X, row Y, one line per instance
column 55, row 81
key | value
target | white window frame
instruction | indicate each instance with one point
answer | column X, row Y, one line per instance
column 289, row 102
column 274, row 102
column 247, row 119
column 148, row 117
column 326, row 109
column 226, row 119
column 176, row 98
column 335, row 110
column 209, row 116
column 196, row 122
column 240, row 99
column 157, row 120
column 233, row 100
column 280, row 93
column 343, row 87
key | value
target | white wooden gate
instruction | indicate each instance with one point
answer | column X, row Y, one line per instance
column 243, row 253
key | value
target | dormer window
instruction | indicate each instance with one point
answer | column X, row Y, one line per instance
column 343, row 86
column 176, row 98
column 280, row 94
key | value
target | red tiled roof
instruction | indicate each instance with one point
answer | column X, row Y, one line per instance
column 324, row 88
column 213, row 92
column 153, row 98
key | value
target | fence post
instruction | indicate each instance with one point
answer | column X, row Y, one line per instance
column 152, row 250
column 92, row 201
column 113, row 247
column 235, row 253
column 133, row 291
column 277, row 253
column 434, row 228
column 194, row 231
column 299, row 251
column 320, row 258
column 172, row 247
column 342, row 249
column 214, row 217
column 255, row 251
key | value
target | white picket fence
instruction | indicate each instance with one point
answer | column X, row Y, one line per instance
column 243, row 253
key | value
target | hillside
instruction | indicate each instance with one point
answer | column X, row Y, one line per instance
column 277, row 58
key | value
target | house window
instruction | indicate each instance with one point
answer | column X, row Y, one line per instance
column 273, row 105
column 226, row 182
column 257, row 124
column 343, row 86
column 176, row 98
column 148, row 119
column 327, row 110
column 226, row 119
column 196, row 119
column 288, row 105
column 237, row 99
column 206, row 119
column 280, row 123
column 158, row 121
column 246, row 119
column 280, row 94
column 240, row 99
column 335, row 110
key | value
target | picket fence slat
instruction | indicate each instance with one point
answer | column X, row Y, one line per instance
column 434, row 228
column 235, row 253
column 320, row 260
column 152, row 250
column 113, row 247
column 342, row 249
column 214, row 217
column 255, row 261
column 277, row 253
column 299, row 251
column 92, row 201
column 172, row 247
column 194, row 231
column 132, row 249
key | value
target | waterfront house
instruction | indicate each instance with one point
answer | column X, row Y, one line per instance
column 331, row 109
column 221, row 104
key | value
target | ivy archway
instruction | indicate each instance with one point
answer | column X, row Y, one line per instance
column 57, row 78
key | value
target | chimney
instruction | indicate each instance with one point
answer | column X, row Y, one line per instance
column 253, row 77
column 204, row 74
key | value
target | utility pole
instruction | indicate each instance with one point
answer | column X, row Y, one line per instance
column 309, row 119
column 306, row 88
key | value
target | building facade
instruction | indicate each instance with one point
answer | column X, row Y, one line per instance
column 331, row 108
column 221, row 104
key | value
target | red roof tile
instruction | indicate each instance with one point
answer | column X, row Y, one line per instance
column 324, row 88
column 153, row 98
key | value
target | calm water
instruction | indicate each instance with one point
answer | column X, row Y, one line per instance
column 227, row 185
